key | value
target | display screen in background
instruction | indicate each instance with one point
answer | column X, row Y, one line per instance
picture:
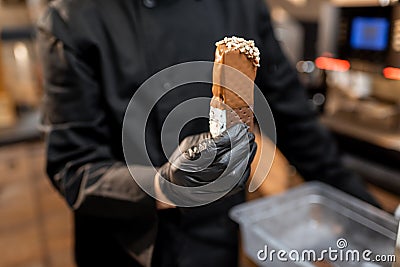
column 369, row 33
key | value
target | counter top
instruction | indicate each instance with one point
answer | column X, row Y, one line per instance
column 378, row 137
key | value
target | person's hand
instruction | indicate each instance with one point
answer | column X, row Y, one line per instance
column 201, row 160
column 355, row 186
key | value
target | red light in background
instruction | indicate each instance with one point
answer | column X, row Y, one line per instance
column 391, row 73
column 327, row 63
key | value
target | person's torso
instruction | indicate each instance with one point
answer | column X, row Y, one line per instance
column 128, row 41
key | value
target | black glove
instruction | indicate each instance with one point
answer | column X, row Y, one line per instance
column 222, row 164
column 355, row 186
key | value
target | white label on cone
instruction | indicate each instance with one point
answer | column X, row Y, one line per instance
column 217, row 121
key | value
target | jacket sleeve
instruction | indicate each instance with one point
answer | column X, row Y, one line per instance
column 80, row 161
column 303, row 140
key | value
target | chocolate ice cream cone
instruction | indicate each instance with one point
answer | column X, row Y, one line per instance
column 235, row 67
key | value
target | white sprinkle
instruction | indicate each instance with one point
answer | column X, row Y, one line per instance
column 246, row 47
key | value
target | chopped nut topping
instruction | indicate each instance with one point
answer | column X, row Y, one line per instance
column 246, row 47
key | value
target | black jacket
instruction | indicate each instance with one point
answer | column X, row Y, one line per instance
column 96, row 53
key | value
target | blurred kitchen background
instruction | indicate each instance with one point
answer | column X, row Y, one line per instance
column 347, row 54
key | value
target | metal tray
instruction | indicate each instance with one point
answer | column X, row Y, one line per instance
column 314, row 217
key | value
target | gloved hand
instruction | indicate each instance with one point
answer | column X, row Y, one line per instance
column 201, row 160
column 355, row 186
